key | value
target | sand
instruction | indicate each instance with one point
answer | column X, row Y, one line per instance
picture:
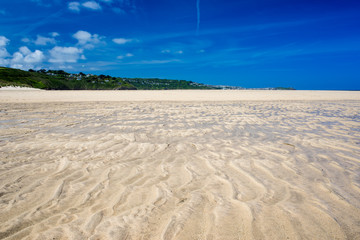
column 17, row 88
column 21, row 95
column 179, row 165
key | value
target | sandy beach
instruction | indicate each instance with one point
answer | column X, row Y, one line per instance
column 179, row 165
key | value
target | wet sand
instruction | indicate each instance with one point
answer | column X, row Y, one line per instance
column 179, row 165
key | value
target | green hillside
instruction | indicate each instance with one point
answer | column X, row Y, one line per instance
column 61, row 80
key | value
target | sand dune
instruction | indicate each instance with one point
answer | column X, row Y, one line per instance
column 265, row 169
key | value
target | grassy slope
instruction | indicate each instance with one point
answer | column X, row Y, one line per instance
column 16, row 77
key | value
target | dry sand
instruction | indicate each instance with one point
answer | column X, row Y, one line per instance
column 21, row 96
column 179, row 165
column 17, row 88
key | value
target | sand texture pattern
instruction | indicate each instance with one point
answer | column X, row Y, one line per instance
column 180, row 170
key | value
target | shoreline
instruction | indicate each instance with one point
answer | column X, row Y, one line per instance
column 29, row 95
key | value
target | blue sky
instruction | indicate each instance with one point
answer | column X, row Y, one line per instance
column 251, row 43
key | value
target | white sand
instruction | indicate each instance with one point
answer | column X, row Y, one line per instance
column 17, row 88
column 174, row 95
column 260, row 165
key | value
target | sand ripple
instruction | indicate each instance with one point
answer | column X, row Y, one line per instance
column 181, row 170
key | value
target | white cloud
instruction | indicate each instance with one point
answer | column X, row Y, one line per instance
column 17, row 58
column 35, row 57
column 54, row 34
column 4, row 62
column 173, row 52
column 3, row 41
column 121, row 40
column 125, row 56
column 2, row 12
column 117, row 6
column 3, row 53
column 65, row 54
column 74, row 6
column 86, row 39
column 40, row 40
column 26, row 59
column 82, row 36
column 26, row 56
column 92, row 5
column 24, row 50
column 25, row 40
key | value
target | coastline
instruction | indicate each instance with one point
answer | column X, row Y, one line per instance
column 174, row 95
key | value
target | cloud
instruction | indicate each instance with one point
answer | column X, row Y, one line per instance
column 26, row 40
column 117, row 6
column 65, row 55
column 24, row 50
column 2, row 12
column 4, row 62
column 167, row 51
column 54, row 34
column 125, row 56
column 43, row 41
column 24, row 55
column 92, row 5
column 86, row 39
column 3, row 41
column 82, row 36
column 3, row 52
column 74, row 6
column 25, row 58
column 121, row 40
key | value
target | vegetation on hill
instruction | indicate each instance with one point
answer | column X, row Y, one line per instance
column 284, row 88
column 61, row 80
column 163, row 84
